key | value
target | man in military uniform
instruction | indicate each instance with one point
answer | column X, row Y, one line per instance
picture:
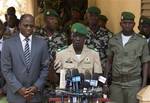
column 75, row 17
column 98, row 37
column 127, row 55
column 144, row 27
column 77, row 55
column 102, row 22
column 51, row 31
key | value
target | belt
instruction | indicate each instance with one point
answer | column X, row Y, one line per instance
column 125, row 78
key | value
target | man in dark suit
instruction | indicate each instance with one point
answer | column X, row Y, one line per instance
column 24, row 63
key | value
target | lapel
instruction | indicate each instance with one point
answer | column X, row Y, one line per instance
column 33, row 48
column 20, row 49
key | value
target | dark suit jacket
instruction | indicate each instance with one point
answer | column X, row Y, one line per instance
column 14, row 67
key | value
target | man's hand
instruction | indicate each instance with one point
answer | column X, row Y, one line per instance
column 23, row 92
column 106, row 89
column 32, row 90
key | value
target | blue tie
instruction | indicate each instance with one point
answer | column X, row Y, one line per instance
column 27, row 52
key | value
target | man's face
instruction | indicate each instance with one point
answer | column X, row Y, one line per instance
column 92, row 19
column 51, row 22
column 145, row 30
column 11, row 20
column 78, row 41
column 75, row 15
column 26, row 26
column 127, row 25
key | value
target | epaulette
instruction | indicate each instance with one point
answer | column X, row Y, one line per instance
column 140, row 35
column 93, row 48
column 62, row 48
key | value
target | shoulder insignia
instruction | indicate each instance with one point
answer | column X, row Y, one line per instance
column 93, row 48
column 140, row 35
column 62, row 48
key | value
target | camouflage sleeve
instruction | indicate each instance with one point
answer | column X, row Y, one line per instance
column 109, row 50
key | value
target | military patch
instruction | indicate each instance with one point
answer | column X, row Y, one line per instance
column 87, row 60
column 74, row 30
column 47, row 13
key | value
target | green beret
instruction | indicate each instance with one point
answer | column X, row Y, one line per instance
column 144, row 20
column 127, row 16
column 103, row 18
column 51, row 12
column 94, row 10
column 79, row 29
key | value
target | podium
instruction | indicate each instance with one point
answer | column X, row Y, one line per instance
column 144, row 95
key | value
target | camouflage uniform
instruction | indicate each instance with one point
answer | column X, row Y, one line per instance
column 99, row 40
column 56, row 41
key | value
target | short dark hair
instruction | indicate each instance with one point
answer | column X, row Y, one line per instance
column 11, row 11
column 24, row 16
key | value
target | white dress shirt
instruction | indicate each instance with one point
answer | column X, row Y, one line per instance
column 22, row 38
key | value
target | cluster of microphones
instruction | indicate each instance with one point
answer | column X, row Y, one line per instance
column 86, row 84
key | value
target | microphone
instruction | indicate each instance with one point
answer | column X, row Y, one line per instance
column 75, row 83
column 75, row 79
column 94, row 80
column 87, row 79
column 68, row 79
column 62, row 83
column 82, row 81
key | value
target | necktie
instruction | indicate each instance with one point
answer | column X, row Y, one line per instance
column 27, row 52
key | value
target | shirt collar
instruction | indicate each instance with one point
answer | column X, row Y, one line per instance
column 23, row 37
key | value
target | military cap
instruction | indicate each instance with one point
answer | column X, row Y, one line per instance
column 75, row 9
column 51, row 12
column 144, row 20
column 94, row 10
column 103, row 18
column 79, row 29
column 127, row 16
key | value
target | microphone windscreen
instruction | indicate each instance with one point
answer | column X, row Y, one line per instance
column 87, row 79
column 62, row 83
column 68, row 74
column 94, row 80
column 75, row 72
column 87, row 75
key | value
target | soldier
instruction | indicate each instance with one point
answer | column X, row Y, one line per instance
column 127, row 55
column 51, row 31
column 11, row 29
column 75, row 17
column 77, row 55
column 98, row 37
column 144, row 27
column 103, row 21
